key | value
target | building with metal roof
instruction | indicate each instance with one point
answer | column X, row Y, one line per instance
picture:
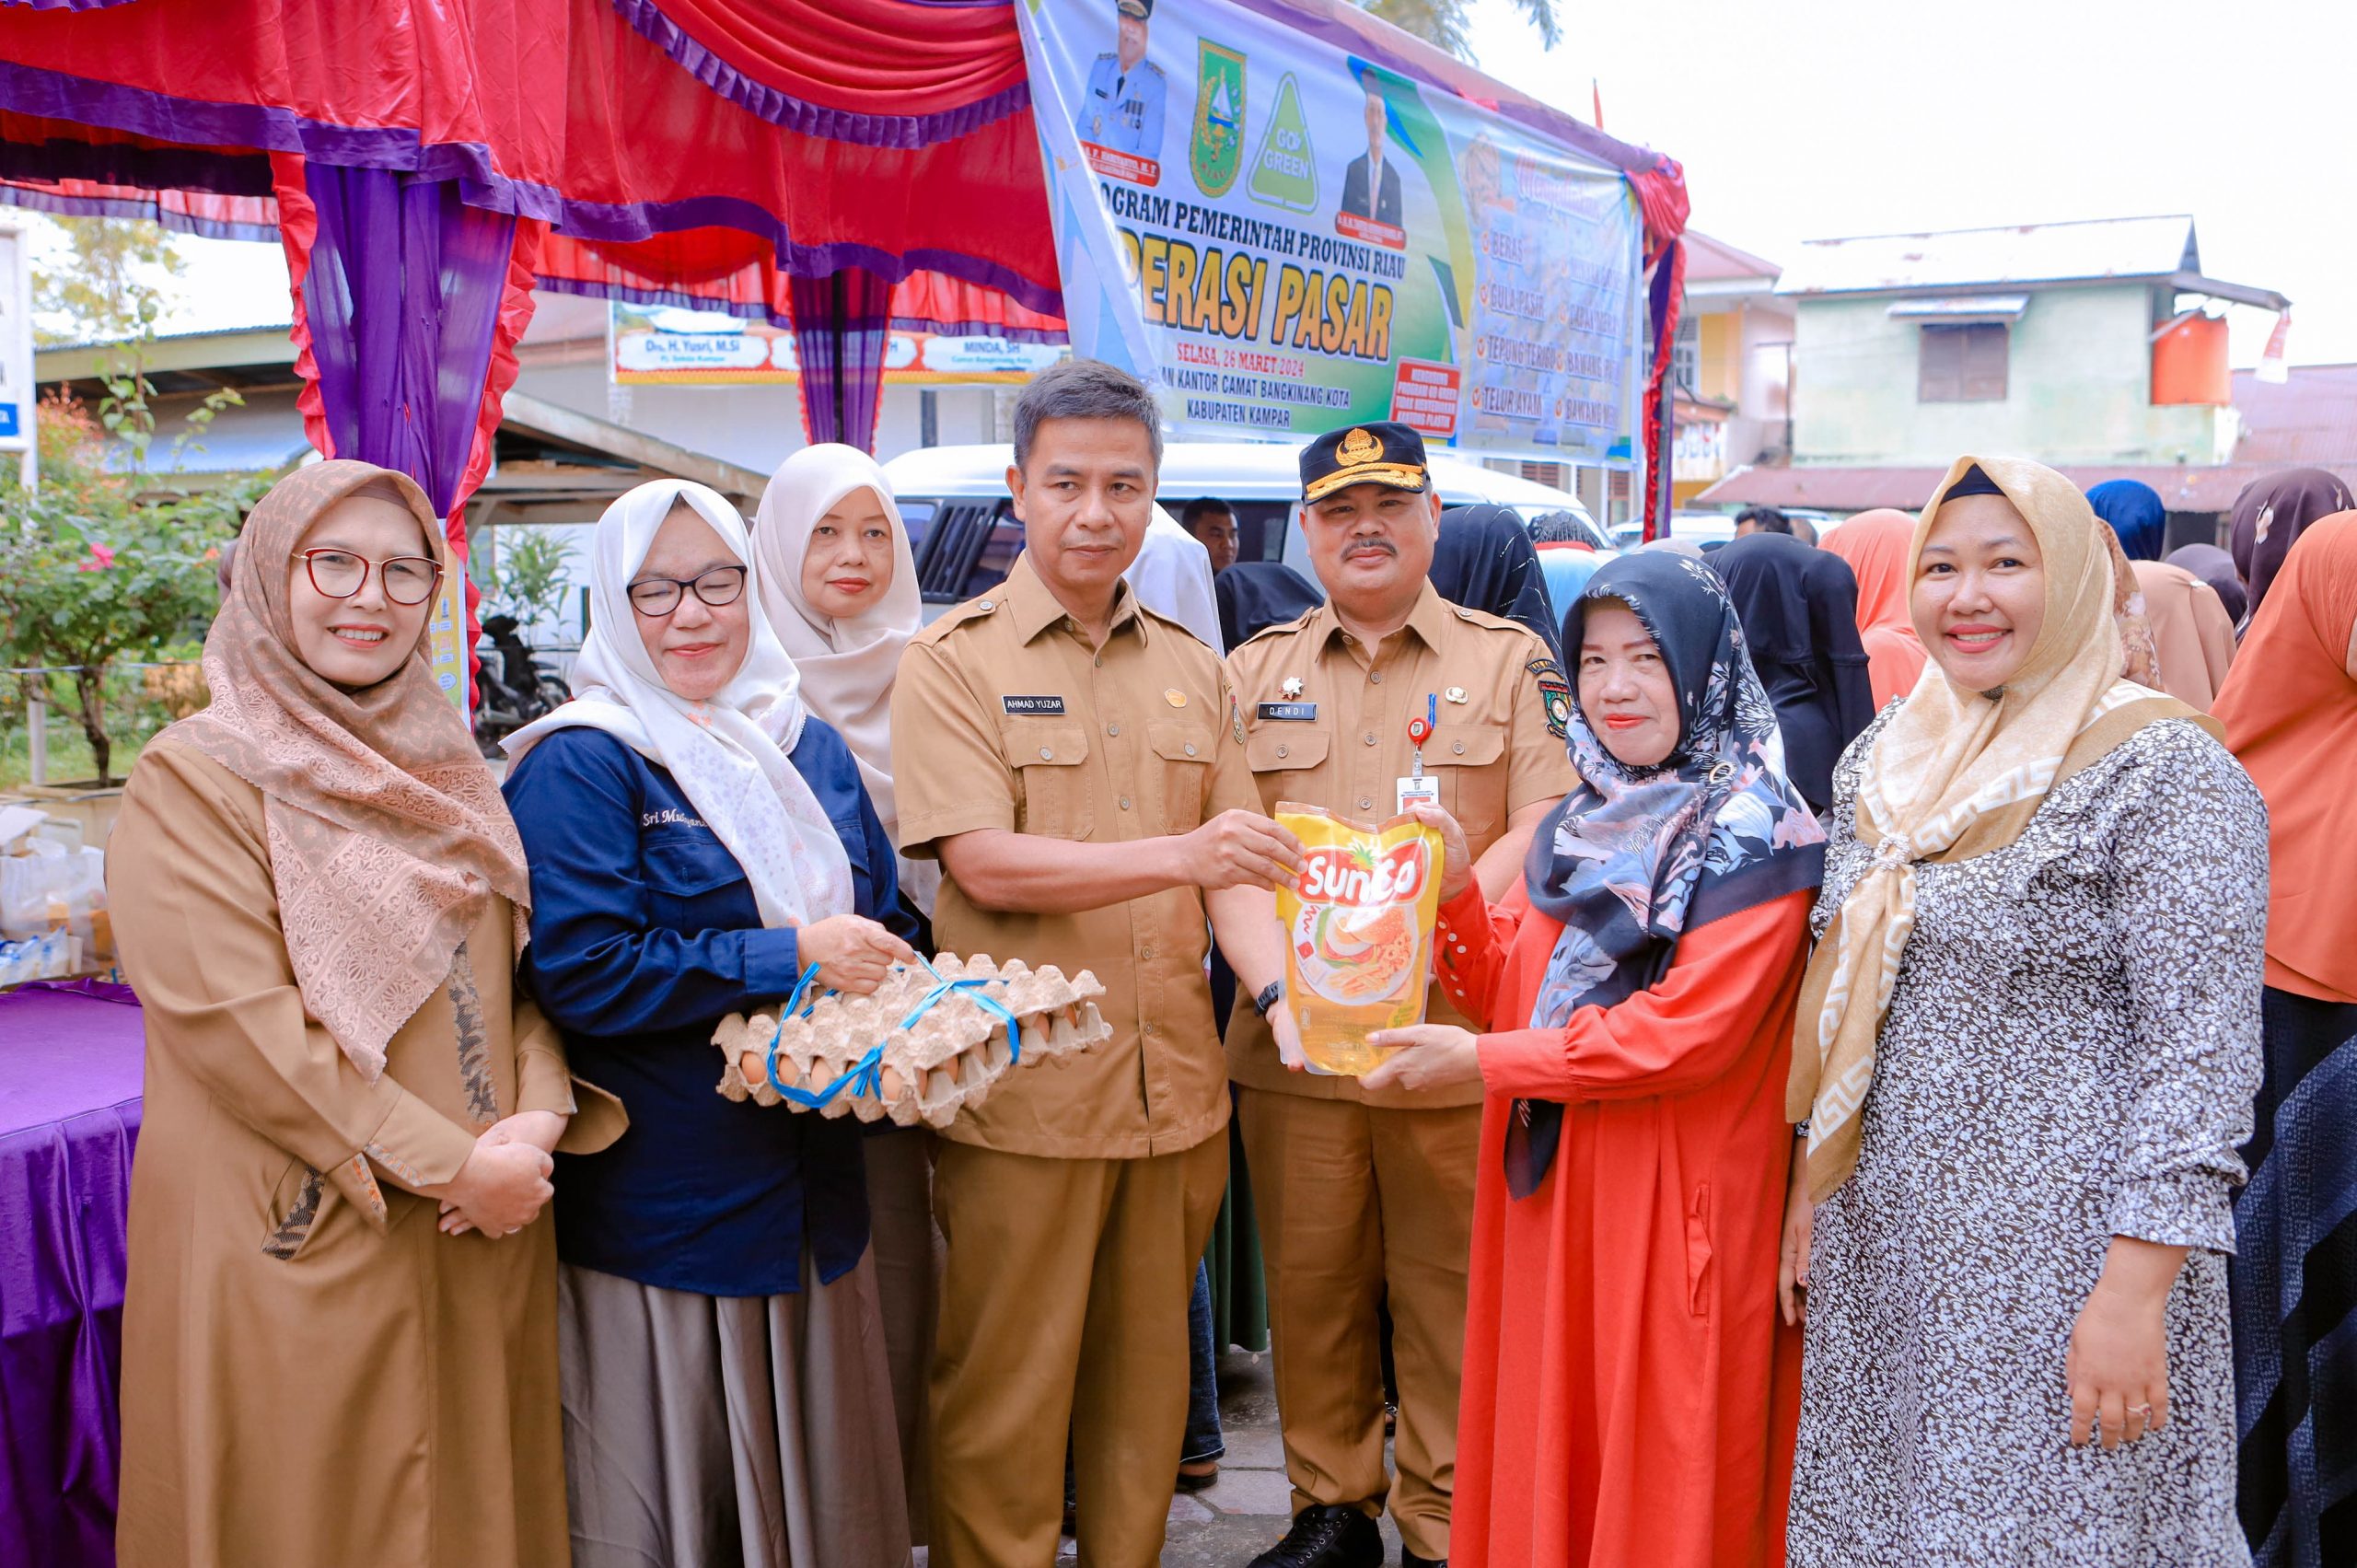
column 2090, row 346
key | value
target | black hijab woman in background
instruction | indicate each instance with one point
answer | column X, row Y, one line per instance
column 1799, row 610
column 1485, row 561
column 1256, row 595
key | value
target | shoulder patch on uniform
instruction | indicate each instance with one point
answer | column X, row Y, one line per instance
column 957, row 615
column 1555, row 692
column 1484, row 619
column 1286, row 627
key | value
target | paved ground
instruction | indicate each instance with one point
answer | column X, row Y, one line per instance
column 1249, row 1507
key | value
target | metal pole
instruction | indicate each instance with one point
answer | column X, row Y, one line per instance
column 36, row 738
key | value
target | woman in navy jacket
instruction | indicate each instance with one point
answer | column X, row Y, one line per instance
column 697, row 842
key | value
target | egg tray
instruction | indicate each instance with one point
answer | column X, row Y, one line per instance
column 935, row 1059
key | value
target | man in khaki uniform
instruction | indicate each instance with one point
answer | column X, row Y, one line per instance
column 1075, row 763
column 1368, row 1196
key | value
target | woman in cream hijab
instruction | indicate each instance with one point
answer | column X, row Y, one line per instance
column 700, row 843
column 2025, row 1053
column 838, row 585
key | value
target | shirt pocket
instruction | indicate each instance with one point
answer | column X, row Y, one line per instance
column 683, row 876
column 1465, row 759
column 1058, row 802
column 1287, row 761
column 1184, row 758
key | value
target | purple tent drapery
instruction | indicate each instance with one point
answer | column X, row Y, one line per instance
column 400, row 381
column 841, row 324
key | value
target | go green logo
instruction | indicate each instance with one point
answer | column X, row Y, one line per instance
column 1284, row 171
column 1217, row 152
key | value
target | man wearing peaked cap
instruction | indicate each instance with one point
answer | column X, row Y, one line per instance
column 1366, row 1196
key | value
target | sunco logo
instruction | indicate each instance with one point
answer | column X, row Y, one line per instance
column 1338, row 876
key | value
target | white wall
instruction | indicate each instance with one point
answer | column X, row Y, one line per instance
column 757, row 427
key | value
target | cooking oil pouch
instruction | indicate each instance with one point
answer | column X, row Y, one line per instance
column 1358, row 933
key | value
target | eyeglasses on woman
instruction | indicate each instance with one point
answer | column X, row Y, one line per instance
column 342, row 574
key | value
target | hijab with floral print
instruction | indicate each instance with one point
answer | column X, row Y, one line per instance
column 1636, row 857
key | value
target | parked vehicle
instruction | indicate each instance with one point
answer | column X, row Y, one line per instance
column 514, row 687
column 1709, row 529
column 963, row 528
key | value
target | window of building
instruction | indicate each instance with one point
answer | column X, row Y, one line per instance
column 1686, row 354
column 1962, row 364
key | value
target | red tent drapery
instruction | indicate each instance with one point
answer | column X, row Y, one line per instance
column 707, row 151
column 695, row 151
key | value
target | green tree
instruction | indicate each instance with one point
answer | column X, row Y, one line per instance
column 1443, row 23
column 533, row 578
column 97, row 291
column 92, row 572
column 114, row 291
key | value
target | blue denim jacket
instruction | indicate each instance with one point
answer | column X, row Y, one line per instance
column 645, row 935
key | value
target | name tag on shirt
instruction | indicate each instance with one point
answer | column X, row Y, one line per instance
column 1424, row 791
column 1289, row 713
column 1033, row 707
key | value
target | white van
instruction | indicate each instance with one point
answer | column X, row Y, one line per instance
column 963, row 528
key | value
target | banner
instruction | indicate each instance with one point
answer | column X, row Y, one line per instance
column 17, row 393
column 1284, row 239
column 665, row 346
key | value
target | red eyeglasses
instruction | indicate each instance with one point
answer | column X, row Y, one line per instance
column 340, row 574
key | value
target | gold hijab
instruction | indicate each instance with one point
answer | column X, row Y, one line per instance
column 385, row 831
column 1956, row 773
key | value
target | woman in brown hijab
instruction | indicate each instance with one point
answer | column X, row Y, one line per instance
column 2272, row 512
column 339, row 1334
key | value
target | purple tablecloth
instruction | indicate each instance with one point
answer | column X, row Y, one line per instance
column 69, row 1115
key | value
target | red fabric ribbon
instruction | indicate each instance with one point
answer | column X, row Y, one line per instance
column 1663, row 203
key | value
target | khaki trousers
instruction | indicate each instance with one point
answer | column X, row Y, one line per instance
column 1064, row 1315
column 907, row 1249
column 1359, row 1204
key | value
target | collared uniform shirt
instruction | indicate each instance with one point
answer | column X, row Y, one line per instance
column 1340, row 741
column 1121, row 112
column 1003, row 716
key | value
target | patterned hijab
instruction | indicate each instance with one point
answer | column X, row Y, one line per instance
column 1956, row 773
column 2272, row 512
column 730, row 754
column 1636, row 857
column 385, row 831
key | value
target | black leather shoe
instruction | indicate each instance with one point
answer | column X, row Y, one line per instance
column 1327, row 1536
column 1409, row 1560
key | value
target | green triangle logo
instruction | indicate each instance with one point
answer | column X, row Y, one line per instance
column 1284, row 171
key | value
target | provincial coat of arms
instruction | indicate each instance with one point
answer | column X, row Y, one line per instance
column 1215, row 153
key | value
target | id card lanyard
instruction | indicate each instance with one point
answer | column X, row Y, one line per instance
column 1419, row 787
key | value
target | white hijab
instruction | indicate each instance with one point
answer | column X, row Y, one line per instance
column 847, row 666
column 730, row 754
column 1172, row 576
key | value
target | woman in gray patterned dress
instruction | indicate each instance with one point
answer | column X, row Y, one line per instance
column 2026, row 1053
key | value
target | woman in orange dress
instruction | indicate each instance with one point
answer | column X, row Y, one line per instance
column 1874, row 544
column 1629, row 1393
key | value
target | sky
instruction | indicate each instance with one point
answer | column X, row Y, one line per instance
column 1819, row 118
column 1816, row 119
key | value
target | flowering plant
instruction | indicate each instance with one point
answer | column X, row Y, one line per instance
column 94, row 570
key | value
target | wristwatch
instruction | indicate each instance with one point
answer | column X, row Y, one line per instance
column 1270, row 995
